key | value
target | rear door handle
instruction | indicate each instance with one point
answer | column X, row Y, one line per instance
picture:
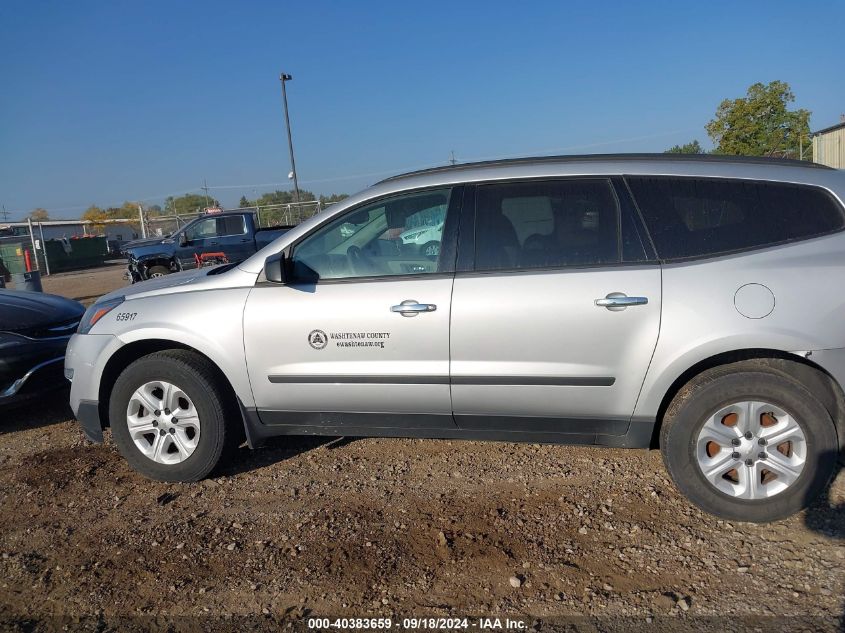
column 411, row 308
column 617, row 301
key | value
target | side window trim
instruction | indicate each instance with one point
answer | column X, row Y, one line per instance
column 451, row 229
column 449, row 239
column 629, row 208
column 466, row 231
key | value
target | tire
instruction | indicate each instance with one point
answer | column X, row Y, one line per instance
column 697, row 408
column 157, row 271
column 195, row 378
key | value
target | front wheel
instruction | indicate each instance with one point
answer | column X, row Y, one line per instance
column 168, row 415
column 157, row 271
column 748, row 445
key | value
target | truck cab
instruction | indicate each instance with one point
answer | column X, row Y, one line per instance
column 214, row 238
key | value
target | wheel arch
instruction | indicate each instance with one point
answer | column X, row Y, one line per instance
column 166, row 261
column 816, row 379
column 131, row 352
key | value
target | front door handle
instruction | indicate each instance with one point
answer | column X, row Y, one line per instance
column 411, row 307
column 618, row 301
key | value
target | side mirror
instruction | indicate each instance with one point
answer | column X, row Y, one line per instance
column 274, row 268
column 183, row 239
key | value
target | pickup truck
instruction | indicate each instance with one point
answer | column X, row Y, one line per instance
column 211, row 239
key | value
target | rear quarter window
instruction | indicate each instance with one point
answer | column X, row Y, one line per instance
column 696, row 217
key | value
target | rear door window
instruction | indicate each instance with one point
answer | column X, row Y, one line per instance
column 231, row 225
column 694, row 217
column 546, row 224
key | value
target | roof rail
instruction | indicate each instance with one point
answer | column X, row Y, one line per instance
column 578, row 158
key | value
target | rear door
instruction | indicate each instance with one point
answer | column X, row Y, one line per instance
column 555, row 309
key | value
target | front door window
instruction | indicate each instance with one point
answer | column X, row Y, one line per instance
column 395, row 236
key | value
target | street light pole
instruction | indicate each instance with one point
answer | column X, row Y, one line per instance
column 285, row 78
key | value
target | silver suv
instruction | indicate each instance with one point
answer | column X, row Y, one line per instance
column 626, row 301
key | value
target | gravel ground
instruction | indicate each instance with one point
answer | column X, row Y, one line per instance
column 575, row 538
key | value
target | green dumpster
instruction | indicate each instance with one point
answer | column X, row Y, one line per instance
column 13, row 258
column 74, row 254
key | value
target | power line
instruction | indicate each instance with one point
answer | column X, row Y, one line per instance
column 394, row 170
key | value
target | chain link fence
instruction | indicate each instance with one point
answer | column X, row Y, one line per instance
column 64, row 242
column 287, row 214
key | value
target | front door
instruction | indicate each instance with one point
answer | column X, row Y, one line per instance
column 552, row 330
column 215, row 240
column 359, row 336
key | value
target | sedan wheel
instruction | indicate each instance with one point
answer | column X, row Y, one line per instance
column 163, row 422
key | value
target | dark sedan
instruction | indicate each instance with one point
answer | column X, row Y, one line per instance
column 34, row 331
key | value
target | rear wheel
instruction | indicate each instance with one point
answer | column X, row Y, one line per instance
column 168, row 416
column 748, row 445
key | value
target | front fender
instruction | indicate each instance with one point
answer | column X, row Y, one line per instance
column 211, row 322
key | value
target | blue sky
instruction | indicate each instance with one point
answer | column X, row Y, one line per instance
column 110, row 101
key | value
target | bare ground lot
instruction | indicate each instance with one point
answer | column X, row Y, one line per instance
column 381, row 528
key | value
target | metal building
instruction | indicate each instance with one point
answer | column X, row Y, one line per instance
column 829, row 145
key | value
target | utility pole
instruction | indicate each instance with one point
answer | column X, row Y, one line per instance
column 452, row 159
column 5, row 214
column 205, row 188
column 141, row 218
column 285, row 78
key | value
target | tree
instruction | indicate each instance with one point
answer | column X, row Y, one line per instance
column 283, row 197
column 335, row 197
column 244, row 202
column 693, row 147
column 126, row 211
column 39, row 215
column 760, row 124
column 96, row 216
column 189, row 203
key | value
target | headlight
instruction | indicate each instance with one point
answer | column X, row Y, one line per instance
column 97, row 312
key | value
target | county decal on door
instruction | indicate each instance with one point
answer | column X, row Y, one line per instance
column 319, row 339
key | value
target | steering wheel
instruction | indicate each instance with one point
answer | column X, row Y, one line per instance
column 360, row 263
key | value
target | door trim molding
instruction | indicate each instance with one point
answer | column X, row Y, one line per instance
column 359, row 380
column 478, row 381
column 534, row 381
